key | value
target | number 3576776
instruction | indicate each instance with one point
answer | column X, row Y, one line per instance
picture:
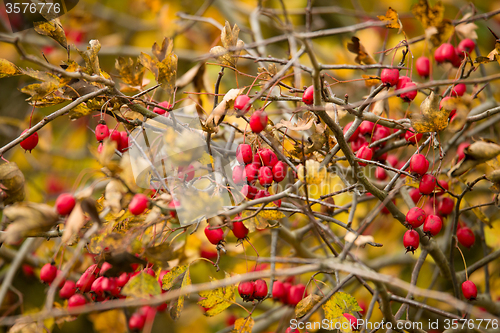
column 30, row 7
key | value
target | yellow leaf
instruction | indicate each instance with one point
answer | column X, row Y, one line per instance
column 131, row 72
column 306, row 304
column 243, row 325
column 428, row 16
column 81, row 110
column 169, row 278
column 392, row 18
column 336, row 306
column 217, row 300
column 109, row 321
column 53, row 29
column 142, row 285
column 431, row 118
column 163, row 65
column 312, row 173
column 362, row 56
column 466, row 30
column 371, row 80
column 8, row 69
column 90, row 57
column 176, row 310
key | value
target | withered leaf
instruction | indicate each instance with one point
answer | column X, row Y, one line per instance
column 431, row 118
column 229, row 39
column 90, row 57
column 362, row 56
column 392, row 18
column 11, row 183
column 371, row 80
column 301, row 125
column 76, row 220
column 427, row 15
column 163, row 65
column 466, row 30
column 8, row 69
column 477, row 153
column 53, row 29
column 160, row 254
column 441, row 33
column 131, row 71
column 306, row 304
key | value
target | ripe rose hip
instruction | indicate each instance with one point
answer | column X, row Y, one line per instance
column 466, row 45
column 246, row 290
column 280, row 170
column 214, row 236
column 122, row 279
column 354, row 135
column 402, row 81
column 124, row 142
column 278, row 290
column 136, row 322
column 381, row 132
column 445, row 206
column 101, row 132
column 415, row 217
column 251, row 172
column 265, row 176
column 358, row 143
column 239, row 230
column 419, row 164
column 116, row 137
column 448, row 52
column 138, row 204
column 413, row 137
column 244, row 153
column 48, row 273
column 260, row 289
column 241, row 103
column 392, row 160
column 76, row 300
column 65, row 204
column 296, row 294
column 352, row 320
column 459, row 89
column 415, row 195
column 469, row 290
column 364, row 153
column 239, row 175
column 258, row 121
column 389, row 76
column 308, row 96
column 432, row 225
column 423, row 66
column 466, row 237
column 249, row 191
column 160, row 111
column 380, row 173
column 427, row 184
column 366, row 127
column 409, row 95
column 411, row 240
column 30, row 142
column 68, row 290
column 438, row 54
column 186, row 173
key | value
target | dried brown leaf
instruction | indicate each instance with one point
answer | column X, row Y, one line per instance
column 427, row 15
column 362, row 56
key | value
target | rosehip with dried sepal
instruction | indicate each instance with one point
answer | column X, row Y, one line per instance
column 260, row 289
column 65, row 203
column 432, row 225
column 214, row 236
column 409, row 95
column 466, row 45
column 30, row 142
column 427, row 184
column 278, row 290
column 469, row 290
column 48, row 273
column 265, row 176
column 76, row 300
column 423, row 66
column 364, row 153
column 258, row 121
column 280, row 170
column 138, row 204
column 308, row 96
column 466, row 237
column 445, row 206
column 389, row 76
column 416, row 217
column 244, row 153
column 239, row 230
column 101, row 131
column 67, row 290
column 246, row 290
column 241, row 103
column 419, row 164
column 411, row 240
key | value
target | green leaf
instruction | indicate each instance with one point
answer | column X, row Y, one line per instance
column 142, row 285
column 217, row 300
column 8, row 69
column 169, row 278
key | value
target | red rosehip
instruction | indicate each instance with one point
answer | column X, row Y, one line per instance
column 214, row 236
column 76, row 300
column 241, row 103
column 246, row 290
column 366, row 127
column 116, row 137
column 286, row 286
column 413, row 137
column 466, row 45
column 124, row 142
column 461, row 150
column 239, row 175
column 244, row 153
column 258, row 121
column 267, row 157
column 278, row 290
column 416, row 217
column 280, row 170
column 251, row 172
column 136, row 322
column 469, row 290
column 409, row 95
column 96, row 286
column 296, row 294
column 423, row 66
column 358, row 143
column 352, row 320
column 186, row 173
column 122, row 279
column 389, row 76
column 28, row 271
column 308, row 96
column 161, row 111
column 466, row 237
column 68, row 290
column 381, row 132
column 265, row 176
column 438, row 54
column 411, row 240
column 364, row 153
column 249, row 191
column 415, row 195
column 443, row 184
column 459, row 89
column 402, row 81
column 85, row 281
column 239, row 230
column 380, row 173
column 419, row 164
column 354, row 135
column 48, row 273
column 427, row 184
column 445, row 206
column 448, row 52
column 138, row 204
column 106, row 266
column 30, row 142
column 260, row 289
column 101, row 132
column 432, row 225
column 392, row 160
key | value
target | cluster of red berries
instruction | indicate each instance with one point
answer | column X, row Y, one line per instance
column 242, row 104
column 102, row 132
column 264, row 167
column 390, row 77
column 65, row 203
column 253, row 290
column 258, row 121
column 448, row 53
column 287, row 293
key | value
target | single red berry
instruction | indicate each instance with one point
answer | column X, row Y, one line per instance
column 241, row 103
column 251, row 172
column 106, row 266
column 443, row 184
column 469, row 290
column 280, row 170
column 136, row 322
column 459, row 89
column 65, row 204
column 381, row 132
column 28, row 271
column 358, row 143
column 380, row 173
column 214, row 236
column 76, row 300
column 438, row 54
column 258, row 121
column 108, row 285
column 249, row 191
column 423, row 66
column 466, row 237
column 466, row 45
column 448, row 52
column 48, row 273
column 432, row 225
column 419, row 164
column 161, row 111
column 186, row 173
column 124, row 142
column 416, row 217
column 402, row 81
column 296, row 294
column 116, row 137
column 445, row 206
column 239, row 175
column 101, row 132
column 461, row 150
column 265, row 176
column 308, row 96
column 366, row 127
column 427, row 184
column 244, row 153
column 30, row 142
column 96, row 286
column 68, row 290
column 246, row 290
column 354, row 135
column 278, row 290
column 409, row 95
column 392, row 160
column 364, row 153
column 415, row 195
column 352, row 320
column 138, row 204
column 389, row 76
column 260, row 289
column 122, row 279
column 85, row 281
column 413, row 137
column 411, row 240
column 239, row 230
